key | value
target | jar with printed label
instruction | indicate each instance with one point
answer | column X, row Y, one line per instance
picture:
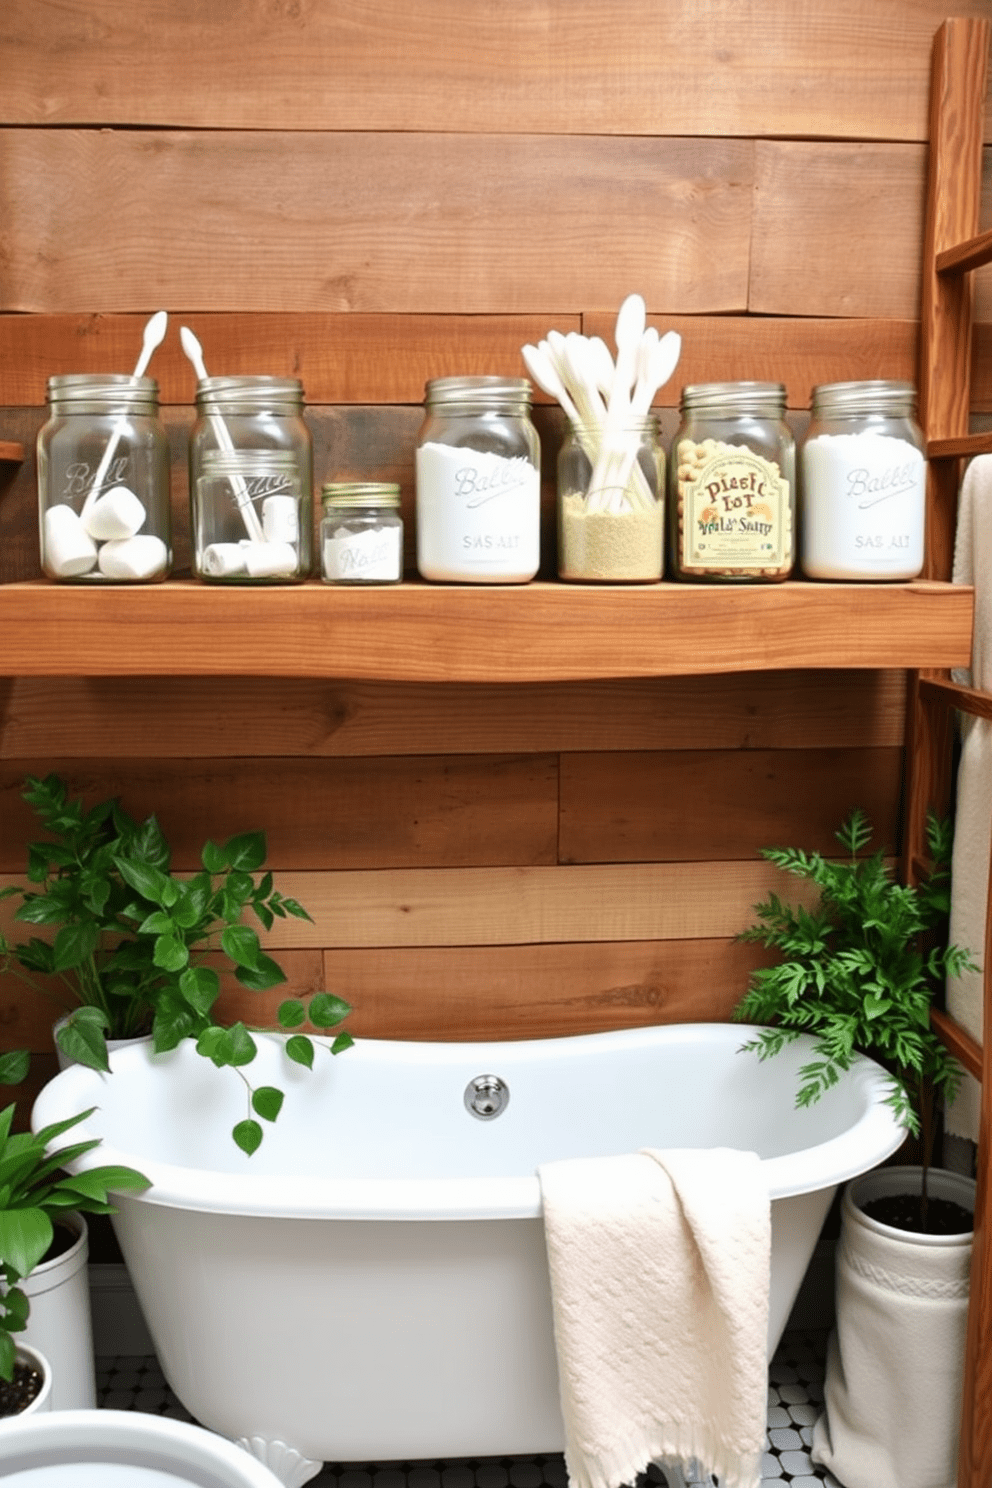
column 103, row 481
column 862, row 483
column 361, row 533
column 478, row 482
column 732, row 478
column 251, row 481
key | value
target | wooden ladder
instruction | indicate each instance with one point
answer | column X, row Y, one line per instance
column 952, row 248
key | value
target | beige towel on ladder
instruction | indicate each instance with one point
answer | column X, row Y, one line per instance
column 659, row 1266
column 973, row 811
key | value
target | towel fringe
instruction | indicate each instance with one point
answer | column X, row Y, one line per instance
column 684, row 1443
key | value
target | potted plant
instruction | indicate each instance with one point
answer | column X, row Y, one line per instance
column 859, row 972
column 131, row 939
column 35, row 1196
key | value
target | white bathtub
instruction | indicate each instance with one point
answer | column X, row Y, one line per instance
column 372, row 1284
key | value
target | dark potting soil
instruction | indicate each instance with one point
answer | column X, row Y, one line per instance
column 904, row 1212
column 17, row 1394
column 64, row 1238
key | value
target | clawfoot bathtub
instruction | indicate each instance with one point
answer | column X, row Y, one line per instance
column 372, row 1283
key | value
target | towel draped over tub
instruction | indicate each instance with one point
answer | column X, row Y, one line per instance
column 659, row 1264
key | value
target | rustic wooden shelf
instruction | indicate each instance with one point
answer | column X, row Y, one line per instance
column 514, row 633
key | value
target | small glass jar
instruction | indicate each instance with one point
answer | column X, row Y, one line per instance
column 246, row 509
column 732, row 497
column 611, row 504
column 862, row 481
column 361, row 533
column 242, row 424
column 478, row 482
column 103, row 481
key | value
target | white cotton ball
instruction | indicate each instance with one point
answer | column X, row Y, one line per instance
column 221, row 560
column 117, row 513
column 140, row 557
column 270, row 560
column 68, row 548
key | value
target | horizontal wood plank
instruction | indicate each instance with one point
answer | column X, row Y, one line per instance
column 135, row 718
column 470, row 224
column 718, row 804
column 788, row 67
column 396, row 811
column 515, row 906
column 422, row 632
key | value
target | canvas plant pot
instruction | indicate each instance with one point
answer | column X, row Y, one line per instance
column 895, row 1358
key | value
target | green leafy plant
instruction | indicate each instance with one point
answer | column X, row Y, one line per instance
column 857, row 972
column 131, row 936
column 34, row 1191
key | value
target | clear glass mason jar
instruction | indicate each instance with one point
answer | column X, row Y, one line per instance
column 862, row 483
column 732, row 485
column 249, row 417
column 478, row 482
column 103, row 481
column 246, row 510
column 611, row 504
column 361, row 533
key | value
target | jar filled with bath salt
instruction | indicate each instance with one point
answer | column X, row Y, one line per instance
column 251, row 480
column 862, row 483
column 361, row 533
column 103, row 481
column 611, row 503
column 478, row 482
column 732, row 496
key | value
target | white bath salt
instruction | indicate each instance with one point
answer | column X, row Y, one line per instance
column 863, row 504
column 610, row 546
column 478, row 516
column 368, row 556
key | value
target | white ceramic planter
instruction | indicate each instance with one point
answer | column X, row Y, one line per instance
column 123, row 1449
column 40, row 1405
column 60, row 1324
column 895, row 1358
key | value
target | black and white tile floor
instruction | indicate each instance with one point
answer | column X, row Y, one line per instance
column 795, row 1393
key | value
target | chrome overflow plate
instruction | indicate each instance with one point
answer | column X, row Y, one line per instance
column 486, row 1097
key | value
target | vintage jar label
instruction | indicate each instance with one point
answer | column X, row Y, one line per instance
column 478, row 514
column 734, row 510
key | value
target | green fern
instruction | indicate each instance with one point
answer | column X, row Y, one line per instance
column 854, row 973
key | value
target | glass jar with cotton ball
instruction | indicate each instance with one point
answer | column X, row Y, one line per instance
column 251, row 481
column 103, row 481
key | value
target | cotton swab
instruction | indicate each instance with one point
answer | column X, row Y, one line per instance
column 253, row 526
column 153, row 336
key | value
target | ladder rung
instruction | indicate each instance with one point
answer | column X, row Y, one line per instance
column 973, row 253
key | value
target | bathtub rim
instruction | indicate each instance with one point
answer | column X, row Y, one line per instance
column 872, row 1137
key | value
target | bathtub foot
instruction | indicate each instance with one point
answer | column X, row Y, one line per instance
column 285, row 1461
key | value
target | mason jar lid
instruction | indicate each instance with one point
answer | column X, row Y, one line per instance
column 102, row 392
column 360, row 493
column 734, row 397
column 498, row 393
column 248, row 392
column 849, row 399
column 248, row 461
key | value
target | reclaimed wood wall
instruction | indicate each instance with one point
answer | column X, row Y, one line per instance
column 369, row 195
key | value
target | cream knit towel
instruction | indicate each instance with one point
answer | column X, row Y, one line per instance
column 659, row 1267
column 973, row 812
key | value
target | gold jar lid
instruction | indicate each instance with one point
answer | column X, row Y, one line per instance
column 360, row 493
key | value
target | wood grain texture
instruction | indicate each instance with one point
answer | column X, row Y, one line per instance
column 670, row 806
column 859, row 69
column 469, row 224
column 421, row 632
column 404, row 811
column 515, row 906
column 534, row 991
column 135, row 718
